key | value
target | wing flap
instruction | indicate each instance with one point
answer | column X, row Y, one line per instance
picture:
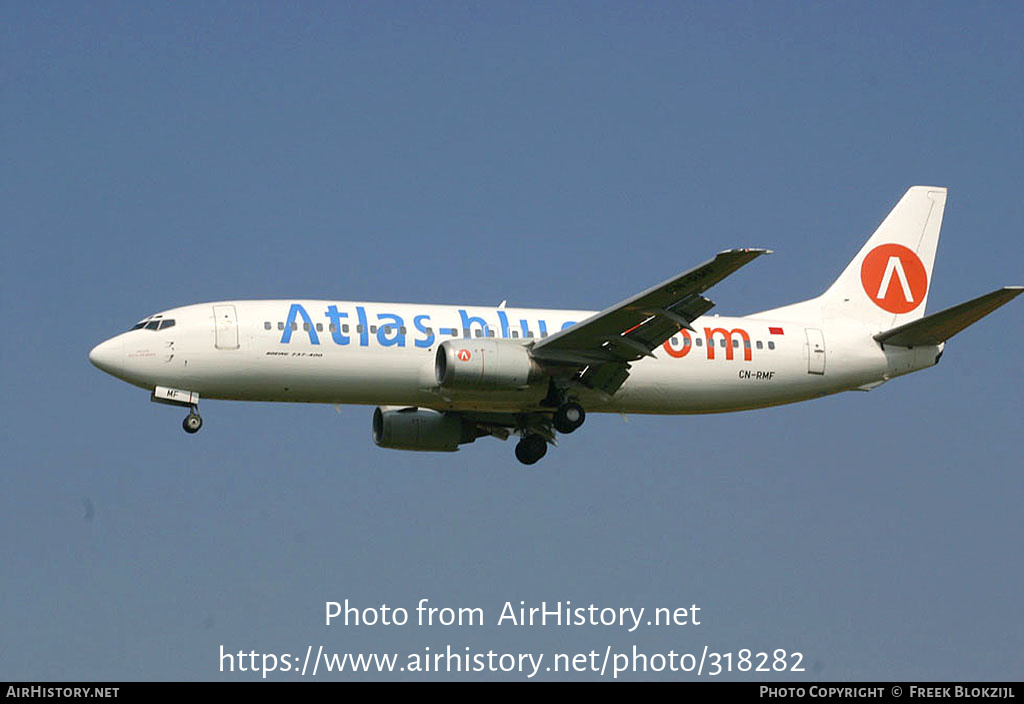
column 938, row 327
column 605, row 377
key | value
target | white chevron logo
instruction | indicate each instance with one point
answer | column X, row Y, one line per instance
column 895, row 264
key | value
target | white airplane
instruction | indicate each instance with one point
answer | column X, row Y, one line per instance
column 445, row 375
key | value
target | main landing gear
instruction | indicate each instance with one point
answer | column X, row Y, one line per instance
column 193, row 421
column 537, row 429
column 531, row 448
column 569, row 414
column 568, row 417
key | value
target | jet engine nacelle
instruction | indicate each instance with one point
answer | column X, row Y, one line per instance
column 484, row 364
column 420, row 429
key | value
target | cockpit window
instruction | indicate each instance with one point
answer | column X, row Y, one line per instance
column 154, row 323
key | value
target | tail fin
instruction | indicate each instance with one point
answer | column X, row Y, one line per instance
column 887, row 283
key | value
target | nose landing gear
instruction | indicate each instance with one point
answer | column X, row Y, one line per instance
column 193, row 421
column 182, row 398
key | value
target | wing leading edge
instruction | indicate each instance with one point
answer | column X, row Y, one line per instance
column 604, row 344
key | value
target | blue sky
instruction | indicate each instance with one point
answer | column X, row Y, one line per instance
column 555, row 155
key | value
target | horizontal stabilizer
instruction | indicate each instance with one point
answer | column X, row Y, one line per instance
column 938, row 327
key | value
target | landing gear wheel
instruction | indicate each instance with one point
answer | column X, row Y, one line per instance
column 531, row 448
column 192, row 423
column 569, row 417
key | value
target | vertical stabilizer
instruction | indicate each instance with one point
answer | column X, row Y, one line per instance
column 887, row 283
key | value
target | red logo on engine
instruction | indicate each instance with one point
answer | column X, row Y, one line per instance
column 894, row 278
column 463, row 355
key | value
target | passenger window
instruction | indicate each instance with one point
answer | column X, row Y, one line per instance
column 746, row 344
column 735, row 344
column 331, row 328
column 169, row 323
column 759, row 345
column 529, row 333
column 319, row 327
column 686, row 342
column 721, row 343
column 266, row 326
column 373, row 329
column 465, row 332
column 359, row 329
column 280, row 325
column 700, row 342
column 295, row 326
column 386, row 329
column 305, row 326
column 344, row 328
column 771, row 345
column 401, row 330
column 675, row 341
column 479, row 333
column 490, row 333
column 515, row 333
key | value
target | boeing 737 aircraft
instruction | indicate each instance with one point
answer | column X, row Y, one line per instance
column 442, row 376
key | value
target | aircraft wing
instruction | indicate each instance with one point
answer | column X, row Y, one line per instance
column 607, row 342
column 939, row 327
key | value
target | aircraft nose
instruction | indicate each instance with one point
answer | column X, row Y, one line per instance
column 108, row 355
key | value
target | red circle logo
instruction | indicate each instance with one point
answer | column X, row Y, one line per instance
column 463, row 355
column 894, row 278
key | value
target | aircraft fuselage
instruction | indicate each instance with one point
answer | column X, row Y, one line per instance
column 373, row 353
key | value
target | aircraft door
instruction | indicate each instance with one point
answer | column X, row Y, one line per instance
column 227, row 327
column 815, row 351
